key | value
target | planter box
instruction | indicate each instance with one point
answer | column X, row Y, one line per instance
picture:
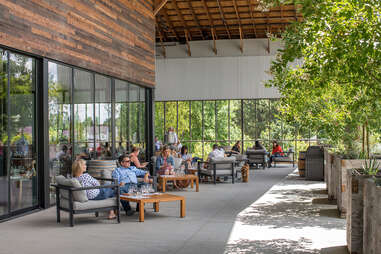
column 372, row 218
column 342, row 196
column 355, row 197
column 328, row 174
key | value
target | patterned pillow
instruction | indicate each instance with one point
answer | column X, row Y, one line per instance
column 79, row 196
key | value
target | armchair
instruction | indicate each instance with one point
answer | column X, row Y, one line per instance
column 257, row 157
column 218, row 167
column 71, row 197
column 288, row 157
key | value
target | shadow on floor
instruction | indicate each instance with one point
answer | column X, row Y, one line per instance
column 335, row 250
column 323, row 201
column 271, row 246
column 332, row 213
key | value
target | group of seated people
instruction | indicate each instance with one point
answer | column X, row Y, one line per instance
column 236, row 149
column 126, row 176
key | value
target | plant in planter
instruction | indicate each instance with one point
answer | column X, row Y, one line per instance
column 355, row 212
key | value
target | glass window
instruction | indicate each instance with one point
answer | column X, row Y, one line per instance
column 142, row 124
column 121, row 117
column 59, row 99
column 159, row 120
column 209, row 120
column 134, row 115
column 184, row 131
column 170, row 115
column 4, row 206
column 249, row 126
column 222, row 128
column 103, row 128
column 262, row 120
column 235, row 120
column 23, row 171
column 84, row 128
column 196, row 121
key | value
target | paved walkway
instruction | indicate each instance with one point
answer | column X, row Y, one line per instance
column 220, row 218
column 295, row 216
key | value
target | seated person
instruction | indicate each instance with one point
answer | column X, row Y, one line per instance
column 187, row 158
column 86, row 180
column 216, row 153
column 135, row 160
column 236, row 149
column 258, row 146
column 165, row 163
column 126, row 175
column 277, row 152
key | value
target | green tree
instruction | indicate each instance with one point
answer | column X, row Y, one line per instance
column 329, row 70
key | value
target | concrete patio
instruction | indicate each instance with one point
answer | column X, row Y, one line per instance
column 293, row 217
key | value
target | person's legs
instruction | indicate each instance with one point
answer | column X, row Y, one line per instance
column 106, row 193
column 126, row 204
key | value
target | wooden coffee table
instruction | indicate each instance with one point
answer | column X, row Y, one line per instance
column 165, row 178
column 155, row 199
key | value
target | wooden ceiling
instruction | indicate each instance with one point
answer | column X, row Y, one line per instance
column 191, row 20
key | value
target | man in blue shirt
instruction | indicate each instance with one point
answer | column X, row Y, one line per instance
column 127, row 176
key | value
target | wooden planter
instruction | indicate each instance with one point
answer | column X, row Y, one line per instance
column 328, row 174
column 355, row 215
column 372, row 218
column 302, row 167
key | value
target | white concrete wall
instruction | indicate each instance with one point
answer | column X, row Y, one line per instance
column 229, row 75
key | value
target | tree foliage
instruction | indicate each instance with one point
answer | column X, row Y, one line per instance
column 329, row 72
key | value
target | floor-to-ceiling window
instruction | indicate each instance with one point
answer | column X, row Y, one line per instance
column 200, row 124
column 18, row 157
column 86, row 111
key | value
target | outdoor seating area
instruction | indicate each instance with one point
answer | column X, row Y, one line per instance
column 198, row 126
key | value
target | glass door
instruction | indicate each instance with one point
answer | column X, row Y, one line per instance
column 22, row 154
column 4, row 184
column 18, row 172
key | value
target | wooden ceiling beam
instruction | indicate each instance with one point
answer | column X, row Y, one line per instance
column 252, row 17
column 241, row 35
column 161, row 40
column 187, row 40
column 213, row 31
column 182, row 19
column 159, row 7
column 164, row 11
column 241, row 39
column 195, row 18
column 211, row 23
column 223, row 18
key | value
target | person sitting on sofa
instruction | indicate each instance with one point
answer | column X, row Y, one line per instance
column 126, row 176
column 86, row 180
column 258, row 146
column 277, row 152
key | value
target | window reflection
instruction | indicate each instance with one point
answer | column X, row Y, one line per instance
column 103, row 129
column 84, row 128
column 22, row 155
column 59, row 83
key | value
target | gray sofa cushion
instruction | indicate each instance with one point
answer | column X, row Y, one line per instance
column 218, row 172
column 91, row 204
column 79, row 196
column 224, row 160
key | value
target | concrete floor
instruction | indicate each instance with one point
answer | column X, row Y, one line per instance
column 207, row 228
